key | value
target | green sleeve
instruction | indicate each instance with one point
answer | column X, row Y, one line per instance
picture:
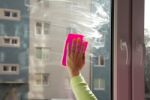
column 81, row 89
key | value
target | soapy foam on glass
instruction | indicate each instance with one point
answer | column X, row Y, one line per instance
column 69, row 39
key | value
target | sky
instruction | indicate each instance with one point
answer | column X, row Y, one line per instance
column 147, row 14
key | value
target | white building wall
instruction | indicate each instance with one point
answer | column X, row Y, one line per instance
column 60, row 16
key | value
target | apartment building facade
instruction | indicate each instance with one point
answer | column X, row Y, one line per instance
column 14, row 44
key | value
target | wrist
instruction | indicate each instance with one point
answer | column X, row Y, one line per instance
column 73, row 74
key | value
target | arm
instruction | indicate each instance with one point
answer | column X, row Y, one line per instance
column 81, row 89
column 75, row 62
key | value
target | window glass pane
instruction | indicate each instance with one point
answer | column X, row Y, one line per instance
column 46, row 28
column 42, row 29
column 41, row 78
column 147, row 50
column 39, row 53
column 99, row 84
column 38, row 78
column 7, row 13
column 42, row 53
column 95, row 60
column 14, row 41
column 45, row 53
column 13, row 68
column 6, row 40
column 14, row 14
column 5, row 68
column 45, row 78
column 38, row 28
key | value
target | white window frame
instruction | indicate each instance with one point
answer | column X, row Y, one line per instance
column 42, row 28
column 10, row 44
column 100, row 87
column 9, row 71
column 2, row 15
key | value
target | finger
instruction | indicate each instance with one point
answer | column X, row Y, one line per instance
column 68, row 50
column 73, row 47
column 82, row 59
column 78, row 46
column 82, row 48
column 73, row 44
column 83, row 56
column 80, row 53
column 83, row 53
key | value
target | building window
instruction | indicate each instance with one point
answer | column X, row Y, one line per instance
column 42, row 28
column 10, row 41
column 99, row 61
column 42, row 78
column 99, row 84
column 9, row 69
column 10, row 14
column 38, row 78
column 42, row 53
column 45, row 78
column 39, row 52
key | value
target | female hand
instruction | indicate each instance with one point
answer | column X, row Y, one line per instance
column 75, row 57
